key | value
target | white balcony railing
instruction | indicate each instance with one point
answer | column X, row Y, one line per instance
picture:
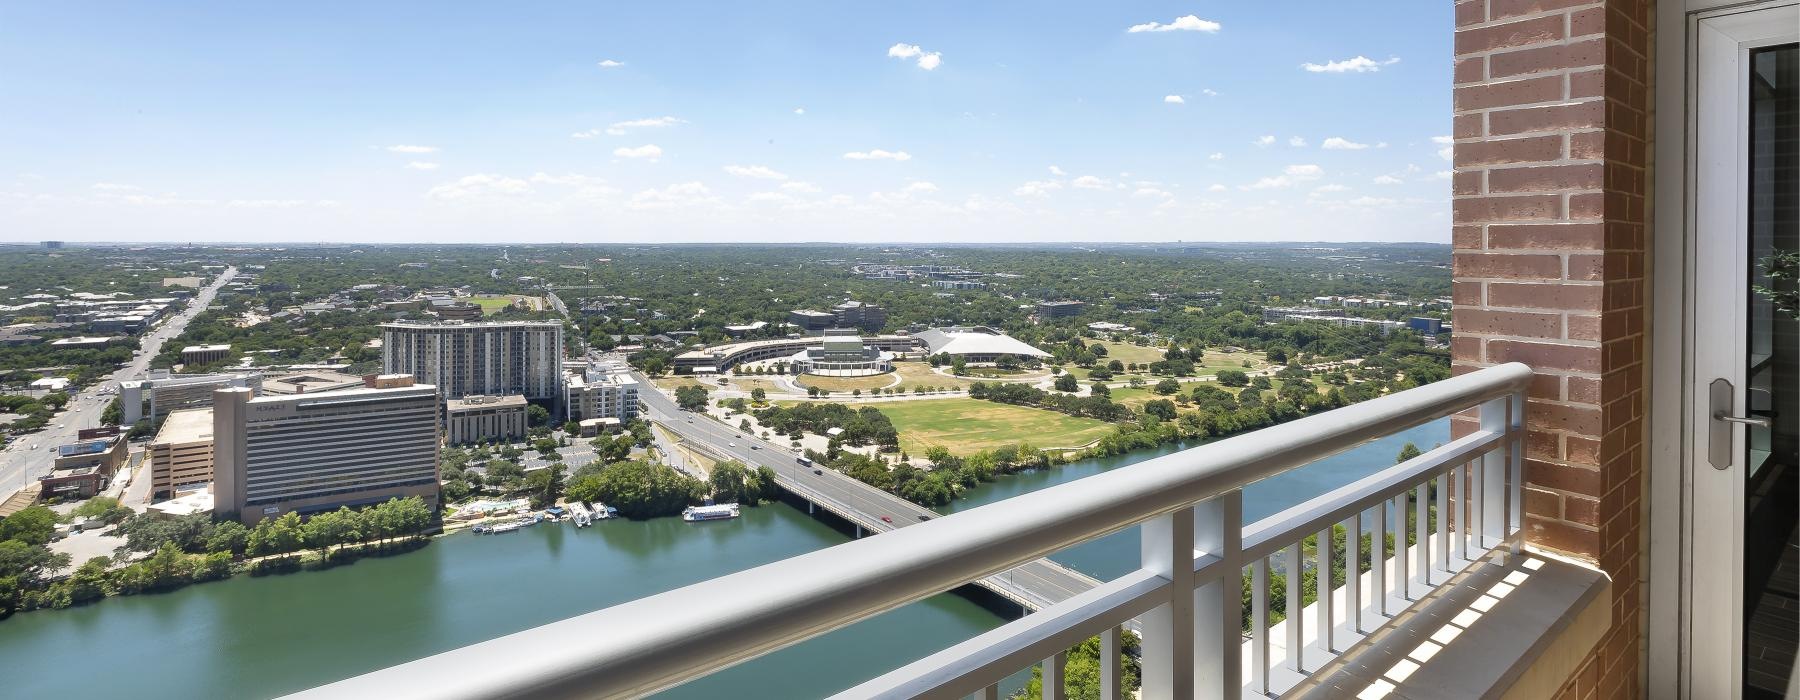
column 1186, row 597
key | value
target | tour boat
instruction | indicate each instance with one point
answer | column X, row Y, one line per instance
column 696, row 514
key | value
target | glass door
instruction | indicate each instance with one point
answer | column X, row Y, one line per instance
column 1743, row 609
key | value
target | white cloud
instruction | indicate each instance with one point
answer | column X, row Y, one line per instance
column 1089, row 182
column 478, row 186
column 1342, row 144
column 267, row 203
column 1057, row 171
column 1331, row 188
column 1216, row 156
column 1265, row 140
column 1387, row 180
column 609, row 63
column 1209, row 92
column 1174, row 99
column 685, row 194
column 928, row 60
column 1290, row 176
column 411, row 149
column 1360, row 64
column 1216, row 188
column 114, row 187
column 920, row 187
column 878, row 154
column 800, row 110
column 1296, row 142
column 800, row 187
column 1186, row 23
column 1037, row 188
column 422, row 165
column 1447, row 152
column 1152, row 192
column 1442, row 175
column 648, row 151
column 1372, row 202
column 755, row 171
column 621, row 128
column 1442, row 140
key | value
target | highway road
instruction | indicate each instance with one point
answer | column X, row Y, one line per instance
column 1035, row 585
column 28, row 457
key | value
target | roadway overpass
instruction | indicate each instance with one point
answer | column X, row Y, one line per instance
column 1034, row 585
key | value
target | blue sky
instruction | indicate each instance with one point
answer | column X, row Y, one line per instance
column 724, row 121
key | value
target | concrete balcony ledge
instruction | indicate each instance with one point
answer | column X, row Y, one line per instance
column 1506, row 627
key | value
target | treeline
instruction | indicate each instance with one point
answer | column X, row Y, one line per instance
column 193, row 549
column 948, row 476
column 1018, row 394
column 862, row 426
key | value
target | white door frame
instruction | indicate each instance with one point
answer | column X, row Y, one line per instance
column 1682, row 661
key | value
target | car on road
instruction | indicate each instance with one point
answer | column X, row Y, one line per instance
column 819, row 471
column 732, row 444
column 887, row 519
column 924, row 517
column 755, row 447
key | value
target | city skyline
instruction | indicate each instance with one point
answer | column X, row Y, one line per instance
column 1153, row 122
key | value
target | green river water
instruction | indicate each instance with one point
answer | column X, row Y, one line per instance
column 263, row 637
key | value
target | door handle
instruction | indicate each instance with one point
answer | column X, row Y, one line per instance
column 1718, row 432
column 1740, row 420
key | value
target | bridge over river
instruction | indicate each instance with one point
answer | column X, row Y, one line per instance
column 1033, row 585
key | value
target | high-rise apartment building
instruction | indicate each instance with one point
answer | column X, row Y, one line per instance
column 488, row 359
column 602, row 390
column 307, row 453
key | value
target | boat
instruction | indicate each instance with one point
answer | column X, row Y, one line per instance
column 582, row 515
column 603, row 511
column 694, row 514
column 508, row 526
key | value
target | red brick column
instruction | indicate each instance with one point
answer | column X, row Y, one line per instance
column 1550, row 218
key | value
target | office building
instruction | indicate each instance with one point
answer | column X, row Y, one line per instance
column 172, row 392
column 856, row 314
column 1060, row 309
column 202, row 354
column 181, row 454
column 307, row 453
column 473, row 419
column 602, row 390
column 811, row 322
column 488, row 359
column 313, row 381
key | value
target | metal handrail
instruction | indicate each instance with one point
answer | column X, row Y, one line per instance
column 663, row 640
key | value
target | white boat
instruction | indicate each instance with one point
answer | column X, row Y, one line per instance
column 508, row 526
column 603, row 511
column 696, row 514
column 582, row 515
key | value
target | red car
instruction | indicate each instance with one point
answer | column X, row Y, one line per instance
column 887, row 520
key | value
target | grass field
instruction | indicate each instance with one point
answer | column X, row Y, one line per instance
column 491, row 305
column 844, row 385
column 1214, row 361
column 966, row 426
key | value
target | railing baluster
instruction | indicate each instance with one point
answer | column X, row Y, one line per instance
column 1402, row 578
column 1459, row 547
column 1378, row 561
column 1494, row 471
column 1054, row 670
column 1478, row 501
column 1112, row 677
column 1515, row 449
column 1353, row 607
column 1219, row 603
column 1422, row 533
column 1322, row 575
column 1296, row 609
column 1441, row 543
column 991, row 692
column 1259, row 625
column 1166, row 548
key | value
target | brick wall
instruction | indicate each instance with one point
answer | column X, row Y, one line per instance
column 1550, row 190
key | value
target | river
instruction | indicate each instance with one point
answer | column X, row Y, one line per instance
column 260, row 637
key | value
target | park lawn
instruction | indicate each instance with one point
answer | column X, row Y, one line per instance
column 967, row 426
column 491, row 305
column 844, row 385
column 1129, row 353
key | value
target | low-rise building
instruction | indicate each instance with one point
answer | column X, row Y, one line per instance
column 1060, row 309
column 810, row 321
column 958, row 284
column 314, row 381
column 860, row 315
column 181, row 454
column 202, row 354
column 473, row 419
column 83, row 469
column 601, row 390
column 168, row 392
column 976, row 344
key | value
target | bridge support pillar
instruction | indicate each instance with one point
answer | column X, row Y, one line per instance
column 859, row 532
column 809, row 507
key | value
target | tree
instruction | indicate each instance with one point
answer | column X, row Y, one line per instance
column 1233, row 378
column 34, row 525
column 1161, row 408
column 323, row 530
column 638, row 489
column 1168, row 387
column 102, row 508
column 536, row 415
column 275, row 535
column 544, row 486
column 1407, row 451
column 230, row 537
column 759, row 395
column 732, row 482
column 691, row 397
column 1067, row 382
column 959, row 366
